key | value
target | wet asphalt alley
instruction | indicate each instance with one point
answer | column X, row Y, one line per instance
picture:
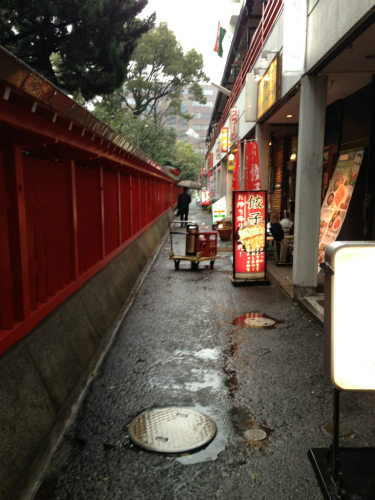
column 181, row 344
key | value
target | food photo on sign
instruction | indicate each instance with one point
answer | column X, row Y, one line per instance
column 337, row 198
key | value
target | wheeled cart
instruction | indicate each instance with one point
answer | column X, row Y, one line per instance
column 199, row 246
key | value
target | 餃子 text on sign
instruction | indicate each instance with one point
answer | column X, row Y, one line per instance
column 336, row 201
column 249, row 234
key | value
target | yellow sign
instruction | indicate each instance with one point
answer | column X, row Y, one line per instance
column 231, row 160
column 269, row 88
column 224, row 139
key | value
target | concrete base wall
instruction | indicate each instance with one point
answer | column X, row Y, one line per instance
column 40, row 372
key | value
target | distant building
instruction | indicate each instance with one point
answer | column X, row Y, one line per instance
column 200, row 123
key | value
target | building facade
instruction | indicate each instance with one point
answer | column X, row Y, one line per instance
column 305, row 92
column 199, row 123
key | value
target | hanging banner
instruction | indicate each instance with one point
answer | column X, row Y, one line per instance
column 249, row 230
column 252, row 170
column 337, row 198
column 236, row 171
column 212, row 184
column 233, row 125
column 294, row 40
column 217, row 149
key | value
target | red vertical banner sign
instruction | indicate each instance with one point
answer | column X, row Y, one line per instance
column 249, row 233
column 233, row 125
column 236, row 170
column 211, row 161
column 252, row 170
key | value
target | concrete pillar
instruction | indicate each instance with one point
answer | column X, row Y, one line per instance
column 262, row 134
column 308, row 184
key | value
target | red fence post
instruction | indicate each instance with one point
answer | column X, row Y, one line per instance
column 119, row 207
column 131, row 204
column 73, row 223
column 15, row 162
column 6, row 306
column 102, row 220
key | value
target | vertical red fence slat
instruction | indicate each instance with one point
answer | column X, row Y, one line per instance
column 88, row 218
column 111, row 216
column 72, row 233
column 143, row 202
column 135, row 205
column 131, row 182
column 30, row 196
column 140, row 207
column 39, row 229
column 23, row 293
column 125, row 207
column 6, row 305
column 49, row 226
column 119, row 208
column 64, row 221
column 102, row 215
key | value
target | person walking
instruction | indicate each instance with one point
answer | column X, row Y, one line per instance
column 184, row 199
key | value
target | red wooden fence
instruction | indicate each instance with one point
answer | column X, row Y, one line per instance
column 70, row 200
column 60, row 224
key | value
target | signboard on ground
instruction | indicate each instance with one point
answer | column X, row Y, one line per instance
column 336, row 202
column 219, row 209
column 205, row 198
column 249, row 233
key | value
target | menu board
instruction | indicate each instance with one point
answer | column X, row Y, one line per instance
column 337, row 198
column 249, row 232
column 205, row 197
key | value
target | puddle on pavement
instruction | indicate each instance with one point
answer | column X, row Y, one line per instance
column 206, row 379
column 260, row 321
column 208, row 353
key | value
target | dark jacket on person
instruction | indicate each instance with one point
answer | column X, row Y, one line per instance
column 183, row 202
column 277, row 231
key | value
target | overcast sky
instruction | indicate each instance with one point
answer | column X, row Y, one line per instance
column 195, row 25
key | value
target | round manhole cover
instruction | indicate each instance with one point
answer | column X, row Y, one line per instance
column 255, row 435
column 259, row 322
column 172, row 430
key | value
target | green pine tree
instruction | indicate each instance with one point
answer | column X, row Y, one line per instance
column 79, row 45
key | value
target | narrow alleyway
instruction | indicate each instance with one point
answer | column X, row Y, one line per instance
column 180, row 345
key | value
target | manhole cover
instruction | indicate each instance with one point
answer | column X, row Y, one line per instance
column 259, row 322
column 255, row 435
column 172, row 430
